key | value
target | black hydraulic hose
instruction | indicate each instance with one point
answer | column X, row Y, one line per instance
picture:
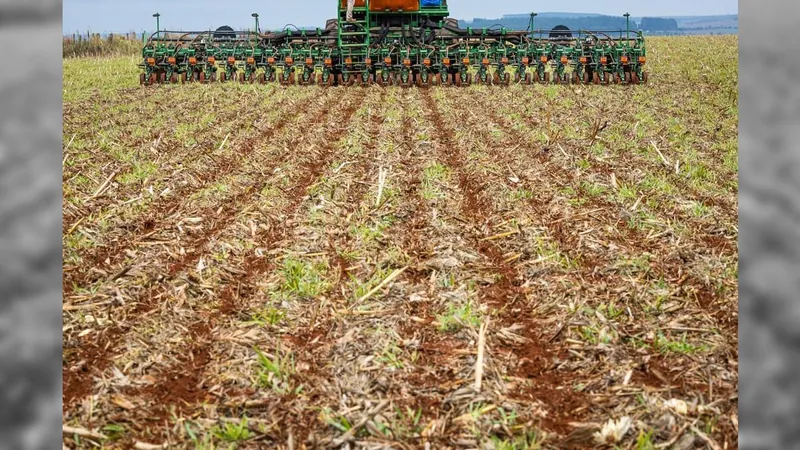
column 430, row 35
column 410, row 34
column 382, row 37
column 279, row 35
column 457, row 31
column 420, row 40
column 384, row 32
column 414, row 36
column 431, row 24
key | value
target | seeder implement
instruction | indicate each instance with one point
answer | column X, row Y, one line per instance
column 396, row 43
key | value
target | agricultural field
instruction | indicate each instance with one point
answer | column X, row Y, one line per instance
column 499, row 268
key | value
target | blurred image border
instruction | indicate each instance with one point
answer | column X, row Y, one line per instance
column 762, row 25
column 39, row 426
column 756, row 31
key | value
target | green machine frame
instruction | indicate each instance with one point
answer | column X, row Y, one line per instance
column 423, row 47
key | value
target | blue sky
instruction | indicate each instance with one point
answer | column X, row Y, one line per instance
column 104, row 16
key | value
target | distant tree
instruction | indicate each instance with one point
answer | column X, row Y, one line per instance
column 605, row 23
column 659, row 24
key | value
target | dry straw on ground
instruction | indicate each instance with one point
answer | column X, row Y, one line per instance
column 307, row 268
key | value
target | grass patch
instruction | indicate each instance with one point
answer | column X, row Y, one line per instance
column 391, row 356
column 370, row 233
column 521, row 195
column 458, row 317
column 302, row 279
column 275, row 371
column 433, row 176
column 526, row 441
column 664, row 345
column 267, row 316
column 360, row 288
column 592, row 189
column 141, row 171
column 233, row 432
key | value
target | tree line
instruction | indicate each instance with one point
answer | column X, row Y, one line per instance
column 576, row 23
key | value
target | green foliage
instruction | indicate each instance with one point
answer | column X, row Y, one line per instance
column 337, row 421
column 303, row 279
column 233, row 432
column 269, row 315
column 527, row 441
column 275, row 372
column 432, row 176
column 645, row 441
column 95, row 46
column 521, row 194
column 391, row 355
column 592, row 189
column 458, row 317
column 664, row 345
column 141, row 171
column 361, row 288
column 370, row 233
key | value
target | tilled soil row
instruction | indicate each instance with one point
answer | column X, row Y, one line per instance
column 634, row 239
column 161, row 210
column 673, row 264
column 411, row 236
column 139, row 94
column 384, row 324
column 97, row 352
column 438, row 385
column 548, row 385
column 670, row 265
column 81, row 122
column 444, row 371
column 616, row 283
column 551, row 216
column 185, row 378
column 312, row 331
column 566, row 231
column 607, row 279
column 253, row 267
column 311, row 341
column 351, row 204
column 355, row 336
column 79, row 116
column 621, row 168
column 177, row 154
